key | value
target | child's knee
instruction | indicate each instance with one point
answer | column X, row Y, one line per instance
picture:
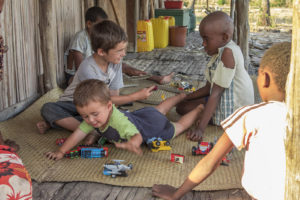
column 181, row 108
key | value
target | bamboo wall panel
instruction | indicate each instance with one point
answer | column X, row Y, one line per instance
column 20, row 63
column 23, row 63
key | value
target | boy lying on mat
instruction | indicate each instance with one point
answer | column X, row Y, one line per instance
column 127, row 130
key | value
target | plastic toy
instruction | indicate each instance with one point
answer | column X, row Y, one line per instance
column 182, row 85
column 93, row 152
column 60, row 141
column 87, row 151
column 177, row 158
column 163, row 97
column 203, row 148
column 158, row 144
column 116, row 169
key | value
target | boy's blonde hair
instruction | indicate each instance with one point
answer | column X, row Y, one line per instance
column 278, row 59
column 91, row 90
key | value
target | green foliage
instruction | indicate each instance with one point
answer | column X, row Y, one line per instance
column 221, row 2
column 278, row 3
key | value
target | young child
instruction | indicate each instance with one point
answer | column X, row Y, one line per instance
column 109, row 43
column 260, row 129
column 80, row 48
column 228, row 85
column 128, row 130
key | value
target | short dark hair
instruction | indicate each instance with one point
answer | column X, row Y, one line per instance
column 278, row 60
column 91, row 90
column 93, row 13
column 106, row 35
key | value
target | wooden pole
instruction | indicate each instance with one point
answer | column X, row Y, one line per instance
column 151, row 15
column 242, row 28
column 292, row 181
column 144, row 11
column 48, row 36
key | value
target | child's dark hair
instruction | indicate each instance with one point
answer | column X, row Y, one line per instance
column 93, row 13
column 106, row 35
column 91, row 90
column 278, row 59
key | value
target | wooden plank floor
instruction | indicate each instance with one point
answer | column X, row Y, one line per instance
column 99, row 191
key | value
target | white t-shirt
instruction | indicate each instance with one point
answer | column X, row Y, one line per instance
column 81, row 42
column 261, row 129
column 89, row 69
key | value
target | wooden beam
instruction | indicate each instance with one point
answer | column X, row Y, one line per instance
column 48, row 34
column 144, row 9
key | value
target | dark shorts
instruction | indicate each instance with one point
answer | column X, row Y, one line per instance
column 151, row 123
column 53, row 111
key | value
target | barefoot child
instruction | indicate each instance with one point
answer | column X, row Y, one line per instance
column 81, row 48
column 260, row 129
column 109, row 42
column 228, row 85
column 128, row 130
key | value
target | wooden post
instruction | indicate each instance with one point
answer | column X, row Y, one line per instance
column 132, row 15
column 88, row 4
column 242, row 28
column 144, row 10
column 48, row 36
column 292, row 181
column 151, row 15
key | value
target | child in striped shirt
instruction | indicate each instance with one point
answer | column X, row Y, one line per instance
column 260, row 129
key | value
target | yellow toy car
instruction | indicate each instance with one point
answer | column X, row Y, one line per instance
column 157, row 144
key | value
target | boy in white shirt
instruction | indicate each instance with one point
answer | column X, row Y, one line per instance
column 260, row 129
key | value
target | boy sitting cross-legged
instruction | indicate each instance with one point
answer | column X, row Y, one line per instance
column 109, row 43
column 260, row 129
column 128, row 130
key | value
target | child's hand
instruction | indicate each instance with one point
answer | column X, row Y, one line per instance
column 195, row 134
column 145, row 92
column 55, row 155
column 132, row 145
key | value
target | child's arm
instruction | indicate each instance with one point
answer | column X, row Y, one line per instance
column 203, row 169
column 201, row 92
column 133, row 145
column 139, row 95
column 78, row 57
column 210, row 107
column 71, row 141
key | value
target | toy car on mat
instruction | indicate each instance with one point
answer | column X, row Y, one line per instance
column 115, row 169
column 87, row 151
column 158, row 144
column 203, row 148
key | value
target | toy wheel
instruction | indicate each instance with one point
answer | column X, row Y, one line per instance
column 168, row 143
column 157, row 143
column 130, row 166
column 113, row 176
column 194, row 151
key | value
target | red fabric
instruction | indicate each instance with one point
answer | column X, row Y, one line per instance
column 15, row 182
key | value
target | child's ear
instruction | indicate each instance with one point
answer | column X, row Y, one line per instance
column 109, row 105
column 89, row 24
column 100, row 52
column 225, row 37
column 267, row 80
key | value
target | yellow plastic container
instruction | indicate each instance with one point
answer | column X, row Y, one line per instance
column 145, row 40
column 170, row 18
column 160, row 32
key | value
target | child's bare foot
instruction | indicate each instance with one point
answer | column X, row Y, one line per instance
column 91, row 138
column 166, row 79
column 42, row 126
column 162, row 79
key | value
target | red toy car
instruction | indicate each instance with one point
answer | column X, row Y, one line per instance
column 177, row 158
column 203, row 148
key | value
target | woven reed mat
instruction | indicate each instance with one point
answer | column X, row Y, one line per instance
column 147, row 170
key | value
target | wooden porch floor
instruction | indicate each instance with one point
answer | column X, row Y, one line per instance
column 99, row 191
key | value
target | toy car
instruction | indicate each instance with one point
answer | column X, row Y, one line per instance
column 177, row 158
column 203, row 148
column 93, row 152
column 115, row 169
column 60, row 141
column 87, row 151
column 158, row 144
column 182, row 85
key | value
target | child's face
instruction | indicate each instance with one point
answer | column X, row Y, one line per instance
column 95, row 113
column 212, row 39
column 90, row 24
column 116, row 54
